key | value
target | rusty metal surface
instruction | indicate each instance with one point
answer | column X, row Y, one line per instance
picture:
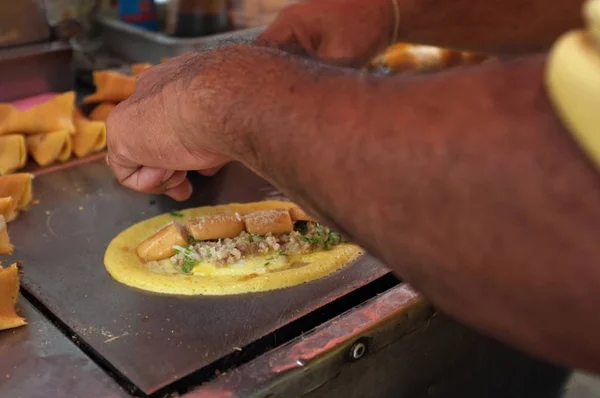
column 37, row 361
column 150, row 340
column 400, row 305
column 406, row 351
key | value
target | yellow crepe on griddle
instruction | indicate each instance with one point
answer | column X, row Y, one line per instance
column 52, row 115
column 111, row 87
column 8, row 208
column 100, row 113
column 253, row 275
column 18, row 187
column 13, row 154
column 49, row 148
column 90, row 136
column 5, row 246
column 9, row 294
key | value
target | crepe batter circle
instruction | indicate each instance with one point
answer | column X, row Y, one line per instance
column 123, row 264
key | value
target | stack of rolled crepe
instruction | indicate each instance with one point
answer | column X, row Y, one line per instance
column 49, row 131
column 15, row 195
column 111, row 88
column 403, row 57
column 43, row 130
column 9, row 293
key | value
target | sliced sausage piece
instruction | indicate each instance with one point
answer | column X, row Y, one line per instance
column 160, row 245
column 298, row 214
column 274, row 221
column 216, row 226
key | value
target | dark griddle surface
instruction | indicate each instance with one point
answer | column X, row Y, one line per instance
column 152, row 340
column 37, row 361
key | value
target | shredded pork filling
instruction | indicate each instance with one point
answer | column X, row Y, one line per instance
column 306, row 237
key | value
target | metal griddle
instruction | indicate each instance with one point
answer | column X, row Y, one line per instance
column 149, row 341
column 39, row 362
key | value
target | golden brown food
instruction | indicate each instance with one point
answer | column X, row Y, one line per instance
column 18, row 187
column 136, row 69
column 9, row 294
column 52, row 115
column 298, row 214
column 8, row 208
column 90, row 136
column 5, row 246
column 161, row 245
column 216, row 226
column 100, row 113
column 404, row 57
column 13, row 154
column 262, row 222
column 49, row 148
column 111, row 87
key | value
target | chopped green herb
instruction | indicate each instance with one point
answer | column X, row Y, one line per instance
column 208, row 254
column 192, row 240
column 271, row 258
column 267, row 264
column 188, row 265
column 175, row 213
column 304, row 238
column 282, row 253
column 152, row 202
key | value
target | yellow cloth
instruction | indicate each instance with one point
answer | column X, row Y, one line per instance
column 573, row 81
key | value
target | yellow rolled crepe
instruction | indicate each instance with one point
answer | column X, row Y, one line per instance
column 111, row 87
column 136, row 69
column 50, row 148
column 90, row 136
column 5, row 246
column 52, row 115
column 8, row 208
column 18, row 187
column 100, row 113
column 9, row 294
column 13, row 154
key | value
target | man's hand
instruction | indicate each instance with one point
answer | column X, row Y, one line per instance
column 346, row 32
column 171, row 122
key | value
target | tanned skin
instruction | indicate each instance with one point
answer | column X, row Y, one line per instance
column 464, row 183
column 353, row 31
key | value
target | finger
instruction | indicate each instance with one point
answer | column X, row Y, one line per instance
column 180, row 192
column 209, row 172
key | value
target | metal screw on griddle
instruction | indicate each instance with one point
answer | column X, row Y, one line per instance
column 358, row 350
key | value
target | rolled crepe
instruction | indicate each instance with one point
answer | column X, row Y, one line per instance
column 8, row 208
column 404, row 57
column 52, row 115
column 100, row 113
column 18, row 187
column 136, row 69
column 5, row 246
column 13, row 154
column 111, row 87
column 90, row 136
column 50, row 148
column 9, row 294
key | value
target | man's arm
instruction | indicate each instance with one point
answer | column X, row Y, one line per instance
column 494, row 26
column 464, row 183
column 353, row 31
